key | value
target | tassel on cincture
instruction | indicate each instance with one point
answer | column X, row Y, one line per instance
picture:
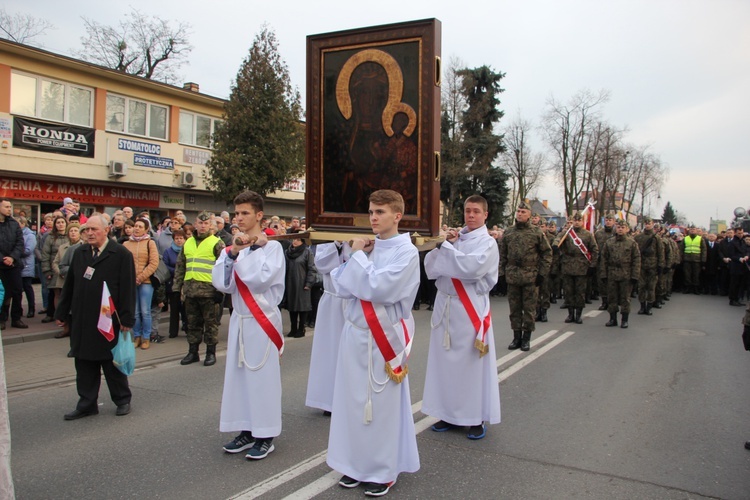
column 483, row 348
column 446, row 340
column 368, row 411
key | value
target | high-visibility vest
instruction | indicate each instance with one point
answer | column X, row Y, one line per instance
column 693, row 245
column 199, row 259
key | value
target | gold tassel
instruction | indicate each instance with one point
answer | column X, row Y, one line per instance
column 396, row 377
column 446, row 340
column 483, row 348
column 368, row 411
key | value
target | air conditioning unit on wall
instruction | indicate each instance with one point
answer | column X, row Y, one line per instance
column 188, row 179
column 118, row 169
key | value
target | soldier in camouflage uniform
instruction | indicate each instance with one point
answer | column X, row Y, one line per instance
column 652, row 265
column 543, row 291
column 553, row 277
column 674, row 261
column 576, row 267
column 661, row 283
column 192, row 277
column 525, row 257
column 601, row 237
column 621, row 268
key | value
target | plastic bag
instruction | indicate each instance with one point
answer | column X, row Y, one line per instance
column 123, row 354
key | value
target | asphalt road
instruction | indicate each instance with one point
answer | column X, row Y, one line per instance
column 656, row 411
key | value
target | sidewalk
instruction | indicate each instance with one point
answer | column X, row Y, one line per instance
column 34, row 358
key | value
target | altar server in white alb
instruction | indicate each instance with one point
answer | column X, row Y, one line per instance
column 252, row 270
column 372, row 437
column 461, row 387
column 329, row 324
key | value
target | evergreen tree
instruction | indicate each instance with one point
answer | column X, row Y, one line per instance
column 669, row 216
column 260, row 144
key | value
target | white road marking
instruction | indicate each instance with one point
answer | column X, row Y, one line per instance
column 331, row 478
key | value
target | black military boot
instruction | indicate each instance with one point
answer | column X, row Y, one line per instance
column 604, row 306
column 655, row 304
column 192, row 355
column 538, row 314
column 516, row 340
column 210, row 355
column 579, row 311
column 642, row 310
column 624, row 322
column 544, row 316
column 648, row 309
column 612, row 319
column 552, row 298
column 526, row 341
column 571, row 315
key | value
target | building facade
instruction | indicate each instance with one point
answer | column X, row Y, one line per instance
column 69, row 128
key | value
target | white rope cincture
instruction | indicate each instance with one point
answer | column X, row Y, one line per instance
column 241, row 360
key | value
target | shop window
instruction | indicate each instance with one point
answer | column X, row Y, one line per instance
column 131, row 116
column 50, row 100
column 197, row 130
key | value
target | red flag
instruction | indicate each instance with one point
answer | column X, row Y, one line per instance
column 105, row 315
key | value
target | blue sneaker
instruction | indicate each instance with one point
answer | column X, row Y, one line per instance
column 477, row 431
column 443, row 426
column 241, row 443
column 260, row 449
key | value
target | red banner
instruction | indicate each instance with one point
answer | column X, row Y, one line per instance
column 52, row 192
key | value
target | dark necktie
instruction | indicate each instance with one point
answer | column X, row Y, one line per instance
column 96, row 252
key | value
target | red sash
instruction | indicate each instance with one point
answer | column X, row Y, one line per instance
column 386, row 337
column 258, row 313
column 481, row 326
column 577, row 241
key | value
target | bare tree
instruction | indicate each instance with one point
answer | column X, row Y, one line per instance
column 141, row 45
column 525, row 167
column 604, row 161
column 453, row 163
column 22, row 28
column 567, row 128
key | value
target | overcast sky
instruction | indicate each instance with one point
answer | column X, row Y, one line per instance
column 678, row 70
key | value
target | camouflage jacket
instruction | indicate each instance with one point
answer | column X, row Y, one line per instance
column 554, row 268
column 193, row 288
column 524, row 254
column 652, row 249
column 601, row 236
column 574, row 262
column 620, row 259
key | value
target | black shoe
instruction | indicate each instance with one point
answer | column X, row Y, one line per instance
column 544, row 316
column 747, row 445
column 122, row 410
column 571, row 315
column 260, row 449
column 604, row 306
column 538, row 316
column 415, row 307
column 525, row 341
column 648, row 309
column 43, row 311
column 516, row 340
column 2, row 326
column 30, row 314
column 348, row 482
column 297, row 335
column 243, row 442
column 731, row 303
column 210, row 355
column 172, row 335
column 579, row 311
column 192, row 355
column 76, row 414
column 18, row 324
column 376, row 489
column 656, row 305
column 70, row 353
column 624, row 322
column 642, row 310
column 326, row 413
column 48, row 319
column 429, row 308
column 553, row 300
column 612, row 319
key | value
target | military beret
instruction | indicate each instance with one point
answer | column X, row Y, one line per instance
column 542, row 220
column 535, row 214
column 621, row 222
column 524, row 206
column 205, row 215
column 609, row 215
column 648, row 220
column 577, row 216
column 551, row 223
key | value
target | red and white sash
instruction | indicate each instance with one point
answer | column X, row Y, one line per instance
column 481, row 326
column 577, row 241
column 395, row 352
column 263, row 312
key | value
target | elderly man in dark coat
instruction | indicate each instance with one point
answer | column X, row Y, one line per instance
column 94, row 263
column 300, row 276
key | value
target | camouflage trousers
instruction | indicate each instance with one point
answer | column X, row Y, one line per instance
column 661, row 284
column 544, row 294
column 553, row 284
column 603, row 290
column 574, row 288
column 618, row 294
column 201, row 320
column 522, row 300
column 647, row 285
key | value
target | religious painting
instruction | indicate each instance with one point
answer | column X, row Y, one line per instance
column 373, row 123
